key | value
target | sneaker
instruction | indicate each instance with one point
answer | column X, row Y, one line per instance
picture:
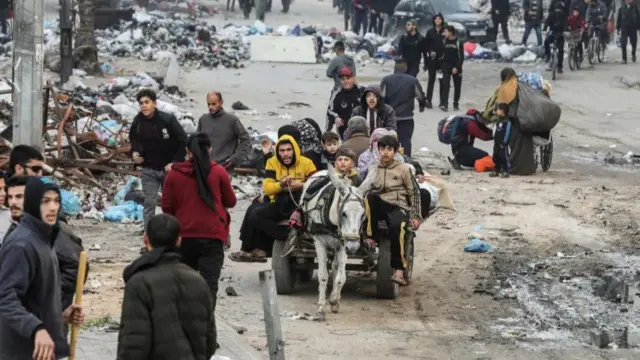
column 456, row 107
column 443, row 108
column 624, row 61
column 454, row 163
column 494, row 174
column 633, row 57
column 429, row 105
column 504, row 175
column 560, row 71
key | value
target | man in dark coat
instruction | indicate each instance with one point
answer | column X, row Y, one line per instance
column 627, row 26
column 375, row 111
column 533, row 16
column 500, row 16
column 411, row 48
column 434, row 46
column 32, row 322
column 167, row 311
column 388, row 8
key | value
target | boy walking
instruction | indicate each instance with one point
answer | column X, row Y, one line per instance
column 501, row 143
column 452, row 60
column 167, row 311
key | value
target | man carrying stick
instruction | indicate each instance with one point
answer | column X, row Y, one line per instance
column 31, row 316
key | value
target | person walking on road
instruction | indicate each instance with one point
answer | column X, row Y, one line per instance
column 627, row 27
column 157, row 140
column 400, row 90
column 388, row 8
column 167, row 310
column 434, row 42
column 373, row 108
column 361, row 10
column 32, row 320
column 342, row 102
column 452, row 60
column 230, row 141
column 411, row 48
column 500, row 10
column 198, row 193
column 533, row 16
column 337, row 63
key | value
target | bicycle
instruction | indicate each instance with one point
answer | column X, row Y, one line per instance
column 575, row 44
column 553, row 62
column 596, row 46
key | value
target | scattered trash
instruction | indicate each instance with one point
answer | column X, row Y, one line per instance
column 478, row 246
column 299, row 316
column 127, row 212
column 230, row 291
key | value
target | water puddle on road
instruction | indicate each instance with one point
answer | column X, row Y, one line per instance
column 614, row 161
column 568, row 300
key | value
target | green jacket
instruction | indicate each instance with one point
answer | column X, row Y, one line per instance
column 167, row 311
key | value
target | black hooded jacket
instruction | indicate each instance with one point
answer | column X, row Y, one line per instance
column 453, row 55
column 411, row 48
column 433, row 42
column 30, row 298
column 534, row 11
column 383, row 117
column 628, row 18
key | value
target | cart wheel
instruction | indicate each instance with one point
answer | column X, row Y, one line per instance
column 409, row 255
column 385, row 287
column 546, row 155
column 285, row 275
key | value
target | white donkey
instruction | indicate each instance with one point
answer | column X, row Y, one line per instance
column 334, row 214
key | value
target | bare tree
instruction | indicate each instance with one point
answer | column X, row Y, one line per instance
column 85, row 51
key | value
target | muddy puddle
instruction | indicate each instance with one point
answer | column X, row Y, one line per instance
column 568, row 299
column 612, row 160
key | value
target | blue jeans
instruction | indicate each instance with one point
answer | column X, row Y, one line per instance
column 528, row 26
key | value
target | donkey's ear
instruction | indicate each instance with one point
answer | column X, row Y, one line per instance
column 335, row 179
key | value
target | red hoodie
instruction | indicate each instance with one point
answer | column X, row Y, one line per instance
column 180, row 198
column 576, row 23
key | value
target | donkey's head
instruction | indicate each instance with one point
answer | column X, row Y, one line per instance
column 350, row 211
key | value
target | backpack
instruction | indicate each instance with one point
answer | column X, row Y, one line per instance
column 449, row 128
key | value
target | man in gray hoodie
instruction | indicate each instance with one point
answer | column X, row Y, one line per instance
column 341, row 60
column 230, row 141
column 32, row 322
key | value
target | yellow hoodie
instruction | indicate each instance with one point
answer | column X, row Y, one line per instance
column 301, row 169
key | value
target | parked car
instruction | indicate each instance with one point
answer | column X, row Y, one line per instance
column 469, row 25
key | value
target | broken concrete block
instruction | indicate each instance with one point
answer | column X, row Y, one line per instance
column 599, row 339
column 628, row 294
column 631, row 336
column 283, row 49
column 173, row 73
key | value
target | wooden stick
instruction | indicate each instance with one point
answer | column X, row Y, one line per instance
column 82, row 274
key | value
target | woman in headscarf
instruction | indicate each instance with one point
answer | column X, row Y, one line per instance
column 372, row 155
column 310, row 140
column 198, row 193
column 506, row 93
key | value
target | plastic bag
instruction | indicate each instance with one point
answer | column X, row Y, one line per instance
column 132, row 184
column 128, row 211
column 70, row 201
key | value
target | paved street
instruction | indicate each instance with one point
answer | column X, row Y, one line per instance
column 101, row 345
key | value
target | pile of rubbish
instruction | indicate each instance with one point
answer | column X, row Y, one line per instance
column 504, row 52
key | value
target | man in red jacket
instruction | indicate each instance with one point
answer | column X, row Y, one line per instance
column 198, row 193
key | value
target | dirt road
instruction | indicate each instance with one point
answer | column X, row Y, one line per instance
column 557, row 236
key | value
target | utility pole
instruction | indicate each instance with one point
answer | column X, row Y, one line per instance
column 28, row 18
column 66, row 45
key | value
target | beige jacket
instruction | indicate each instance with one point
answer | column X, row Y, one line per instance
column 396, row 185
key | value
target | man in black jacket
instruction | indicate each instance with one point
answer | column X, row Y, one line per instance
column 5, row 7
column 388, row 8
column 627, row 27
column 452, row 60
column 558, row 22
column 167, row 310
column 434, row 42
column 500, row 16
column 157, row 140
column 32, row 322
column 411, row 48
column 533, row 15
column 401, row 90
column 343, row 101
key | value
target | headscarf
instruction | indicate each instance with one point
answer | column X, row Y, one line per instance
column 375, row 137
column 199, row 144
column 508, row 88
column 310, row 135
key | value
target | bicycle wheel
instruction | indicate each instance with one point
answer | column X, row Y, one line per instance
column 572, row 57
column 579, row 58
column 546, row 155
column 601, row 50
column 591, row 52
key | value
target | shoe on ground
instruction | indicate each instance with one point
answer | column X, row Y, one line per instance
column 624, row 61
column 443, row 108
column 494, row 174
column 560, row 71
column 429, row 105
column 456, row 108
column 504, row 175
column 633, row 58
column 454, row 163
